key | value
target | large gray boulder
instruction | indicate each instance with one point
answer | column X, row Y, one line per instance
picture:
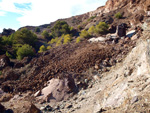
column 121, row 30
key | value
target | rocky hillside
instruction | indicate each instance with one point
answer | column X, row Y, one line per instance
column 102, row 73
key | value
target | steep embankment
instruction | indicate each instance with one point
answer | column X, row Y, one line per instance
column 125, row 88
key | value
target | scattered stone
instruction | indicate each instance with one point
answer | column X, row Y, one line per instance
column 68, row 106
column 101, row 110
column 131, row 33
column 48, row 108
column 62, row 106
column 57, row 108
column 37, row 93
column 134, row 37
column 42, row 108
column 96, row 66
column 75, row 98
column 82, row 98
column 90, row 86
column 134, row 99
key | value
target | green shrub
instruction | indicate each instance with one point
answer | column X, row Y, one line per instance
column 25, row 50
column 45, row 34
column 53, row 40
column 0, row 72
column 71, row 28
column 37, row 29
column 79, row 27
column 67, row 39
column 118, row 15
column 61, row 27
column 8, row 54
column 49, row 47
column 42, row 49
column 92, row 30
column 84, row 34
column 7, row 40
column 78, row 40
column 102, row 28
column 25, row 36
column 59, row 42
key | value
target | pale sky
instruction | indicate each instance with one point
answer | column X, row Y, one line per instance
column 18, row 13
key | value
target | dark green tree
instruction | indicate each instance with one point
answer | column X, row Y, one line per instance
column 102, row 28
column 61, row 27
column 25, row 36
column 45, row 34
column 24, row 51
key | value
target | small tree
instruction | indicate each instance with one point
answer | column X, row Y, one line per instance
column 67, row 39
column 25, row 50
column 53, row 40
column 84, row 34
column 25, row 36
column 42, row 49
column 45, row 34
column 78, row 40
column 118, row 15
column 102, row 28
column 59, row 42
column 92, row 30
column 61, row 27
column 79, row 27
column 8, row 54
column 49, row 47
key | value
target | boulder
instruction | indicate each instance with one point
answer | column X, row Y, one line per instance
column 57, row 89
column 98, row 39
column 121, row 30
column 4, row 61
column 131, row 33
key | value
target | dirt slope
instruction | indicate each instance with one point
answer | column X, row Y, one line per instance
column 124, row 89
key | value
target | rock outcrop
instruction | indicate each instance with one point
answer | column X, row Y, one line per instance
column 57, row 89
column 7, row 32
column 4, row 61
column 132, row 6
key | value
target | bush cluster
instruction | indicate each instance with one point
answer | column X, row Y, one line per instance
column 118, row 15
column 101, row 28
column 60, row 28
column 19, row 42
column 25, row 50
